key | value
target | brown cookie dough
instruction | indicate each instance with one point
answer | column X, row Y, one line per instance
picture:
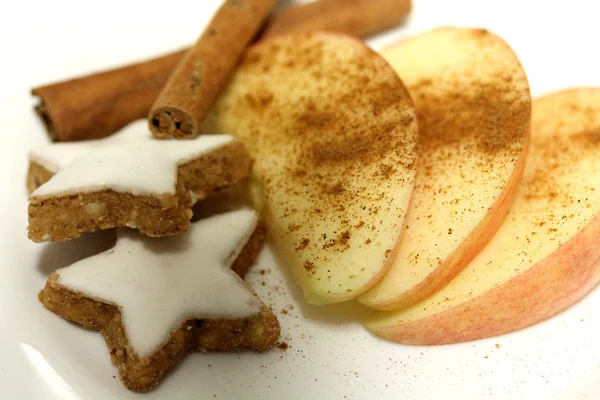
column 56, row 218
column 259, row 331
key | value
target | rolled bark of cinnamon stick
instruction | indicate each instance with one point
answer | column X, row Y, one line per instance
column 198, row 79
column 99, row 104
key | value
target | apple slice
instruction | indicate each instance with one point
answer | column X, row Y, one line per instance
column 474, row 111
column 545, row 255
column 333, row 132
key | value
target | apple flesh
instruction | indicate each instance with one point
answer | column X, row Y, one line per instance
column 474, row 110
column 333, row 133
column 544, row 257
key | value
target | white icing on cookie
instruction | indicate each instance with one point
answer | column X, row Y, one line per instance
column 133, row 162
column 158, row 284
column 56, row 156
column 139, row 169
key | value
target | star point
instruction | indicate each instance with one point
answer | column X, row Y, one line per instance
column 158, row 284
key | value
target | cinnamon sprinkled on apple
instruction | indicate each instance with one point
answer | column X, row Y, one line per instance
column 474, row 112
column 334, row 137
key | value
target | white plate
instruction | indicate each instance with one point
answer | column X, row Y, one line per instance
column 330, row 354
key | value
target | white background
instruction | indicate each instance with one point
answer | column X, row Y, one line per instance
column 331, row 355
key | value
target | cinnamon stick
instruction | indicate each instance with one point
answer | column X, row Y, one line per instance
column 100, row 104
column 203, row 72
column 97, row 105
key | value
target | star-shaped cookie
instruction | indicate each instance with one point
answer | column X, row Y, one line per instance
column 156, row 299
column 130, row 180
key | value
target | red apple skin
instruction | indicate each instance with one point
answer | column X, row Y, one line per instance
column 466, row 252
column 550, row 286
